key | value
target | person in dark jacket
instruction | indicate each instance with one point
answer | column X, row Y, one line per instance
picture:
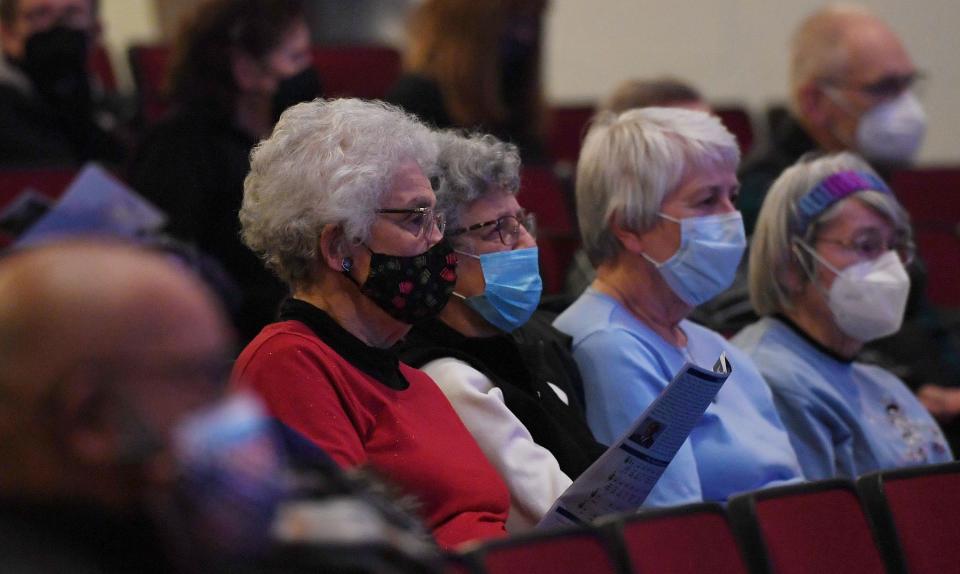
column 236, row 65
column 507, row 372
column 50, row 114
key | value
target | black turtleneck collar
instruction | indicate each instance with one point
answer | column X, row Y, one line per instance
column 381, row 364
column 813, row 342
column 498, row 352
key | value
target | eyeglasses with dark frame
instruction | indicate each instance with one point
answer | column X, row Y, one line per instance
column 508, row 227
column 887, row 87
column 418, row 220
column 869, row 246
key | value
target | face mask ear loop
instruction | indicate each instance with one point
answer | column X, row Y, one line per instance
column 835, row 97
column 811, row 273
column 656, row 264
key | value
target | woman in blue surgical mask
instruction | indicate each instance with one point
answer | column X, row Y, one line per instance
column 505, row 370
column 827, row 274
column 655, row 196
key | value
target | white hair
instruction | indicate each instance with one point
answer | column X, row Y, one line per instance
column 630, row 162
column 327, row 162
column 772, row 254
column 470, row 166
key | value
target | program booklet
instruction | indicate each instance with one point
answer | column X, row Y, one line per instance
column 621, row 479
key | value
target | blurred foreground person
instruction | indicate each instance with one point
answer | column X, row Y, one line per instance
column 105, row 350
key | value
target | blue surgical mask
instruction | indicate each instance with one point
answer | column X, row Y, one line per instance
column 513, row 287
column 706, row 262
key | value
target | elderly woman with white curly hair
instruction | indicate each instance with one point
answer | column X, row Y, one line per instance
column 339, row 205
column 827, row 275
column 655, row 200
column 508, row 373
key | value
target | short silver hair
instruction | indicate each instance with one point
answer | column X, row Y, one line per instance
column 327, row 162
column 630, row 162
column 470, row 166
column 772, row 252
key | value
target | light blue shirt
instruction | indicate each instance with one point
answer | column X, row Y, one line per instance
column 739, row 444
column 844, row 418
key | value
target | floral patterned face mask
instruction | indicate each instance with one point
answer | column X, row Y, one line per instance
column 410, row 288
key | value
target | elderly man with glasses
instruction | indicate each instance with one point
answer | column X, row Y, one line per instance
column 851, row 89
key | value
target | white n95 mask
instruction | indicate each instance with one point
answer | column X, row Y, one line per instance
column 893, row 131
column 868, row 299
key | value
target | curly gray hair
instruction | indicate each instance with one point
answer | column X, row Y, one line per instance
column 327, row 162
column 468, row 165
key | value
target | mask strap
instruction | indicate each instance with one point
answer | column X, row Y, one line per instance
column 817, row 256
column 346, row 266
column 837, row 98
column 457, row 251
column 811, row 275
column 653, row 261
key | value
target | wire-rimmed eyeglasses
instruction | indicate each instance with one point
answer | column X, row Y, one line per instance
column 418, row 220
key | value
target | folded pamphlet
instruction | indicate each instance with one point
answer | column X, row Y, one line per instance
column 621, row 479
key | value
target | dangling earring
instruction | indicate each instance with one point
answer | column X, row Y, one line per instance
column 346, row 264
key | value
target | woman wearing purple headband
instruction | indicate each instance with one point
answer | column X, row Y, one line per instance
column 827, row 274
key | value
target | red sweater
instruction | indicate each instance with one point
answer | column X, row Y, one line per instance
column 412, row 436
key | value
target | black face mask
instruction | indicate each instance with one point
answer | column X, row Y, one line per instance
column 302, row 87
column 411, row 289
column 55, row 60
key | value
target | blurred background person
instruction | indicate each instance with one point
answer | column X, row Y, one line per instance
column 236, row 65
column 105, row 350
column 338, row 204
column 827, row 274
column 655, row 200
column 49, row 112
column 851, row 88
column 507, row 372
column 663, row 92
column 477, row 65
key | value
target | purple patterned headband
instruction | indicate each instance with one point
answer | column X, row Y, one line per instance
column 834, row 188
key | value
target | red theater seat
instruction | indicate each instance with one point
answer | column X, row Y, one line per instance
column 916, row 511
column 932, row 197
column 738, row 121
column 568, row 551
column 149, row 64
column 685, row 539
column 356, row 71
column 557, row 237
column 567, row 126
column 814, row 527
